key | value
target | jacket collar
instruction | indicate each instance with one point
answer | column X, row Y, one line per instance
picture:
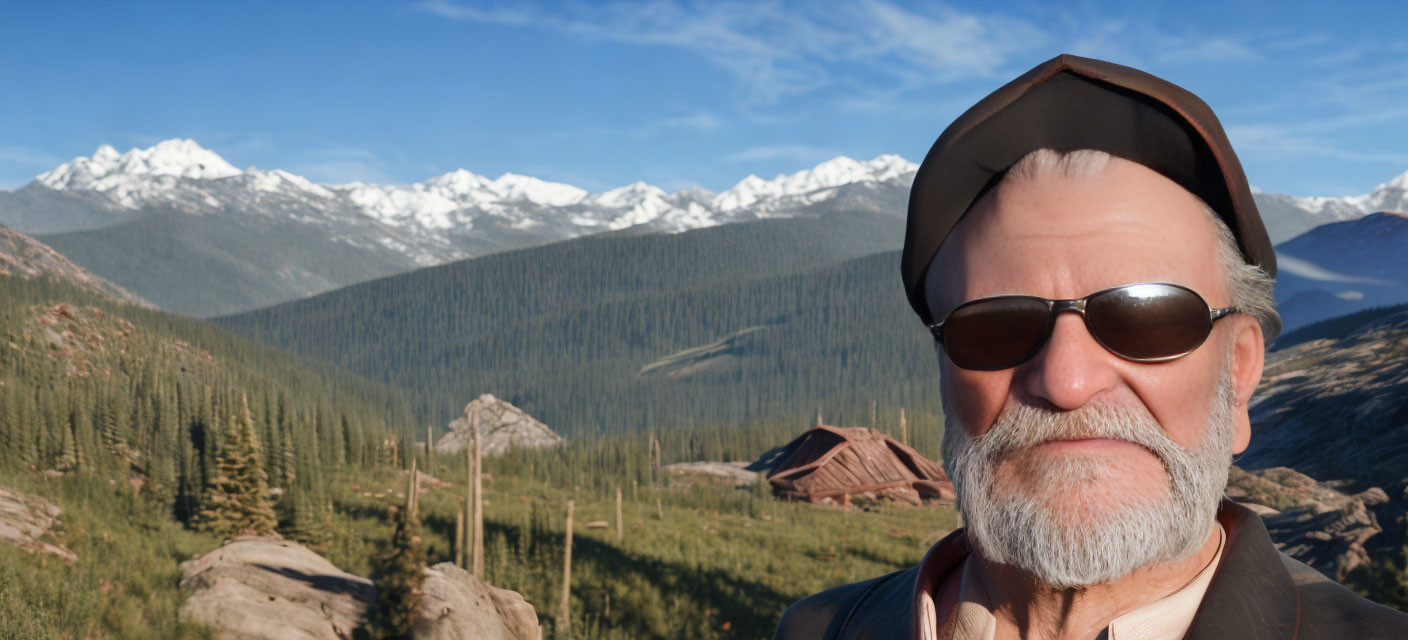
column 1251, row 595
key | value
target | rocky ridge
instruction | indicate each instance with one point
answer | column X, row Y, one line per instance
column 29, row 522
column 25, row 257
column 1316, row 523
column 502, row 427
column 1334, row 409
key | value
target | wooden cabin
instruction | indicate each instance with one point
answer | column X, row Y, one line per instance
column 831, row 464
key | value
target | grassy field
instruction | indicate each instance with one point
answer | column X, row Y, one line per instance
column 700, row 558
column 124, row 584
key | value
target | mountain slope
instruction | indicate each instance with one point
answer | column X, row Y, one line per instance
column 202, row 266
column 1342, row 267
column 566, row 331
column 313, row 237
column 323, row 236
column 24, row 257
column 1335, row 409
column 1288, row 216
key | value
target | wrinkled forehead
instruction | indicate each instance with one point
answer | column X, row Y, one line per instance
column 1064, row 237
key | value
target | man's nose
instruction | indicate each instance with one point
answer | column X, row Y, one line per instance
column 1072, row 368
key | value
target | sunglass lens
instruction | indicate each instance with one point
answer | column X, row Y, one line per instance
column 995, row 333
column 1148, row 321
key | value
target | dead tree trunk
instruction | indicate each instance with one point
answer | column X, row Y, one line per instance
column 477, row 521
column 620, row 533
column 411, row 491
column 466, row 539
column 429, row 452
column 459, row 537
column 564, row 609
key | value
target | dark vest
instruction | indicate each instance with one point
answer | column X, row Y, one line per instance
column 1257, row 593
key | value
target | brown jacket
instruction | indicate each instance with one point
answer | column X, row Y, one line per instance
column 1257, row 593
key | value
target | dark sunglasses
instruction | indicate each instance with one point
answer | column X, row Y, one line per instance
column 1144, row 322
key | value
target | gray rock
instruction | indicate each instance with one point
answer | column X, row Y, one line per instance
column 257, row 588
column 502, row 425
column 457, row 605
column 736, row 471
column 1333, row 542
column 26, row 519
column 254, row 588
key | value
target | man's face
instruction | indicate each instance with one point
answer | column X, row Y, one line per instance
column 1063, row 238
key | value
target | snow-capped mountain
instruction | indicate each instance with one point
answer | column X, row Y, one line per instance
column 456, row 215
column 1289, row 216
column 237, row 239
column 439, row 216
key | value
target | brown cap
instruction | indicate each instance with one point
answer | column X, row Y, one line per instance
column 1069, row 103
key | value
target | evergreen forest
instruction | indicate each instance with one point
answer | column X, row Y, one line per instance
column 767, row 320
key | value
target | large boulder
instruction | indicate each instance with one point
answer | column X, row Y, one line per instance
column 502, row 426
column 737, row 472
column 26, row 520
column 255, row 587
column 258, row 588
column 458, row 605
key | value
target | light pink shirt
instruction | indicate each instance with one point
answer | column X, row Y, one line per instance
column 1165, row 619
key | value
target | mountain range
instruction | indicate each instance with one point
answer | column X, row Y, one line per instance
column 112, row 212
column 180, row 226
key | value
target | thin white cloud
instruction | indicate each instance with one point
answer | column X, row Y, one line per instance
column 799, row 152
column 1312, row 271
column 343, row 172
column 341, row 165
column 775, row 51
column 19, row 165
column 15, row 155
column 1281, row 139
column 1215, row 49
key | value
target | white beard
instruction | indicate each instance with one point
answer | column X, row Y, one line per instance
column 1097, row 542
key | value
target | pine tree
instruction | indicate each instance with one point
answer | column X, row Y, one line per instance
column 308, row 520
column 237, row 501
column 399, row 576
column 68, row 448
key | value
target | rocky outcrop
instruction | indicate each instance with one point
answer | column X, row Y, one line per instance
column 1314, row 522
column 25, row 257
column 1282, row 489
column 257, row 588
column 457, row 605
column 1333, row 542
column 502, row 425
column 26, row 520
column 736, row 471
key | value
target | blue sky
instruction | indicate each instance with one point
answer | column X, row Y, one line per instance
column 1314, row 96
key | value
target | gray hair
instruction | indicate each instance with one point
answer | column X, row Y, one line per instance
column 1251, row 289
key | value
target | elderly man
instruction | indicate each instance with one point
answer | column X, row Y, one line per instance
column 1084, row 247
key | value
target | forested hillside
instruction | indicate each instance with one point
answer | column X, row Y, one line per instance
column 223, row 262
column 155, row 400
column 771, row 319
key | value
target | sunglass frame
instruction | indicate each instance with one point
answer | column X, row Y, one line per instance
column 1078, row 305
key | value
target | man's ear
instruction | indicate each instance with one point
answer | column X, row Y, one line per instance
column 1248, row 358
